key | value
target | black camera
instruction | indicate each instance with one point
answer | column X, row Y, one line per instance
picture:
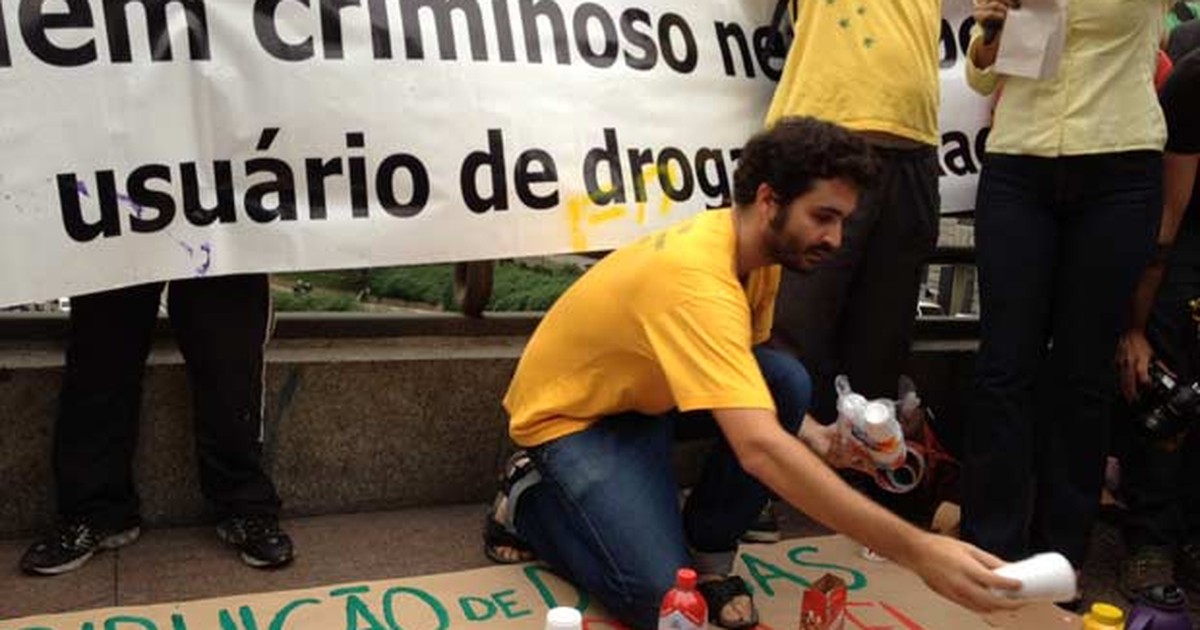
column 1171, row 406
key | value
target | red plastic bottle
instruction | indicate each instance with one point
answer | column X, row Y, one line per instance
column 683, row 607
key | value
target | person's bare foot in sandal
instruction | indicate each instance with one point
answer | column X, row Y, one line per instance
column 501, row 544
column 729, row 602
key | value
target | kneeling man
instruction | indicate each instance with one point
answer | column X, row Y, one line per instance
column 665, row 331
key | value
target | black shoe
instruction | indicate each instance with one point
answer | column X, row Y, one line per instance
column 1072, row 606
column 1187, row 566
column 71, row 545
column 765, row 529
column 1144, row 568
column 262, row 543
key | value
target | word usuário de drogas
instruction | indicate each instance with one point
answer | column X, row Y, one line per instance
column 150, row 197
column 272, row 189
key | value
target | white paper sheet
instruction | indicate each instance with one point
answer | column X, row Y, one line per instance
column 1033, row 39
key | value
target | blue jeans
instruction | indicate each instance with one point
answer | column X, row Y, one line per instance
column 605, row 514
column 1061, row 243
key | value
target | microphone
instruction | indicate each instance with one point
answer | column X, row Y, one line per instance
column 991, row 28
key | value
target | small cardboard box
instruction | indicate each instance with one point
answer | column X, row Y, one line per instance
column 824, row 605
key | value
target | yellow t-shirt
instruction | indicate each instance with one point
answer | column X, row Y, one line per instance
column 868, row 66
column 659, row 324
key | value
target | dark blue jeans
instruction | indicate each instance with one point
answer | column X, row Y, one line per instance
column 1061, row 243
column 606, row 513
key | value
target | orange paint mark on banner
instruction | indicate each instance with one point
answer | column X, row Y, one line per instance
column 583, row 213
column 604, row 216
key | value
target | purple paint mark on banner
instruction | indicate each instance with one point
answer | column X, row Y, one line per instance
column 133, row 205
column 137, row 208
column 187, row 248
column 206, row 248
column 204, row 267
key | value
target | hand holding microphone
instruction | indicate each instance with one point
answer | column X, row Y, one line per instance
column 990, row 14
column 991, row 29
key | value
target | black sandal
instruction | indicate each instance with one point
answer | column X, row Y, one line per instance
column 719, row 593
column 495, row 535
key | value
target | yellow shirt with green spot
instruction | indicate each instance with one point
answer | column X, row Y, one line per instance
column 866, row 65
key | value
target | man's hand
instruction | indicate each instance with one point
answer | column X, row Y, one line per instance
column 956, row 570
column 827, row 442
column 1133, row 362
column 963, row 574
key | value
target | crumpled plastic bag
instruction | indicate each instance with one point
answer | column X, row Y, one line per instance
column 872, row 428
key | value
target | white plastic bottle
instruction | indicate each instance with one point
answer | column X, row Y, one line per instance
column 564, row 618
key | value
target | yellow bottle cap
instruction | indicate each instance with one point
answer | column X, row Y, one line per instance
column 1107, row 613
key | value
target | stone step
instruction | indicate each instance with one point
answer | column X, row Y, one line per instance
column 362, row 413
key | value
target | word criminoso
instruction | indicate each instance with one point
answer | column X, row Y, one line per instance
column 300, row 30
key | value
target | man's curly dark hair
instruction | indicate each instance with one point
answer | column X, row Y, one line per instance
column 796, row 152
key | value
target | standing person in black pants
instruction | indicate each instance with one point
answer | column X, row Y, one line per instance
column 876, row 73
column 1068, row 206
column 1162, row 524
column 221, row 325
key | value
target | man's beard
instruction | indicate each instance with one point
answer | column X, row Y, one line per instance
column 791, row 255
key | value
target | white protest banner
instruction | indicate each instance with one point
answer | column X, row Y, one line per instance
column 158, row 139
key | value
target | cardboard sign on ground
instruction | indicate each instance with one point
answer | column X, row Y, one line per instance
column 881, row 596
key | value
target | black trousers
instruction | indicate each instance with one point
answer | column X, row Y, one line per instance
column 854, row 314
column 221, row 325
column 1159, row 481
column 1061, row 243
